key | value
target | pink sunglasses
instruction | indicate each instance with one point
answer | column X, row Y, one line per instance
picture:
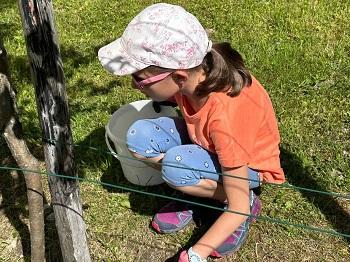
column 153, row 79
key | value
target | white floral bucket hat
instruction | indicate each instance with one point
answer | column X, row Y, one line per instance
column 162, row 35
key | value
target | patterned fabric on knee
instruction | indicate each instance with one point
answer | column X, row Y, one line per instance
column 185, row 165
column 151, row 137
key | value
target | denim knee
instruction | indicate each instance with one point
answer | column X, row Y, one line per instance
column 176, row 171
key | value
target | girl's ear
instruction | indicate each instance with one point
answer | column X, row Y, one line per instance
column 180, row 76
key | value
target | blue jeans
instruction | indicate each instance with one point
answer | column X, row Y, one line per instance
column 184, row 164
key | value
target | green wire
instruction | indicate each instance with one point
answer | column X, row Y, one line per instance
column 285, row 185
column 263, row 218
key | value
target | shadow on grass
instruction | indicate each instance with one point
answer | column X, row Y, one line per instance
column 87, row 157
column 19, row 66
column 94, row 159
column 298, row 175
column 8, row 3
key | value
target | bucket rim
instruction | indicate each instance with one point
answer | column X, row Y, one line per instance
column 119, row 112
column 109, row 134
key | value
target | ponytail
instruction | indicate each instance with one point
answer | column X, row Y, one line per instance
column 225, row 71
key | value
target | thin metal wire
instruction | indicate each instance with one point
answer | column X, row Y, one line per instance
column 283, row 185
column 263, row 218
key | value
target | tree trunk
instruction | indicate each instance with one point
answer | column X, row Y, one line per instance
column 47, row 73
column 11, row 128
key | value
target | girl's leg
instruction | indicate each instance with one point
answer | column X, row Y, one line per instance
column 150, row 139
column 192, row 170
column 196, row 171
column 155, row 138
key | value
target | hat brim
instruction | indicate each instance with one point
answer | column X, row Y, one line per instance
column 115, row 59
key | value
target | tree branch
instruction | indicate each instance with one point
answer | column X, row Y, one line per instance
column 11, row 129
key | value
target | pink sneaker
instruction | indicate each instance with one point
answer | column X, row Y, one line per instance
column 172, row 217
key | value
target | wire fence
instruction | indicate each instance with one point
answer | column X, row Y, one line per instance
column 283, row 185
column 260, row 217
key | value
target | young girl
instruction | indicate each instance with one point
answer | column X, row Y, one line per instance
column 228, row 123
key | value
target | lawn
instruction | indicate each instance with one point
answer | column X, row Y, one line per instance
column 298, row 49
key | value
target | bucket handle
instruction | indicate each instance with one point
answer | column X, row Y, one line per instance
column 110, row 147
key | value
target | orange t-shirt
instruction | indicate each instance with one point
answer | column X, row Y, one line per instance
column 241, row 130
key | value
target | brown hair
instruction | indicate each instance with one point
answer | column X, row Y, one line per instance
column 225, row 71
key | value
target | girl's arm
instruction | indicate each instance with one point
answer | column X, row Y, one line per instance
column 237, row 191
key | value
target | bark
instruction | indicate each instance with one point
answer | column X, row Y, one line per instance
column 11, row 129
column 48, row 78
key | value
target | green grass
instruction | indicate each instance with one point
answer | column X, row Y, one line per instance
column 299, row 50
